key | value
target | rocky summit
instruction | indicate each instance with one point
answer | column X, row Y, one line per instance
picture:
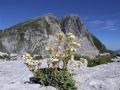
column 33, row 35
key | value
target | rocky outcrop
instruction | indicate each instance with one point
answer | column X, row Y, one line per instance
column 73, row 24
column 14, row 75
column 33, row 35
column 8, row 56
column 116, row 59
column 102, row 77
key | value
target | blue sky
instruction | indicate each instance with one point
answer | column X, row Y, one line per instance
column 101, row 17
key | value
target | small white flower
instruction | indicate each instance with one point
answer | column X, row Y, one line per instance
column 73, row 50
column 55, row 60
column 70, row 37
column 59, row 36
column 49, row 48
column 27, row 55
column 57, row 55
column 36, row 62
column 72, row 57
column 75, row 45
column 83, row 61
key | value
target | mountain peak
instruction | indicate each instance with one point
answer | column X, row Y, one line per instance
column 33, row 35
column 49, row 15
column 71, row 16
column 72, row 23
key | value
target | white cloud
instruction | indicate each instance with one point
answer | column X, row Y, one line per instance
column 96, row 22
column 106, row 24
column 110, row 25
column 85, row 18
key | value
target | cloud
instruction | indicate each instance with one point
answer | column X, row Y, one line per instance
column 105, row 25
column 110, row 25
column 85, row 18
column 96, row 22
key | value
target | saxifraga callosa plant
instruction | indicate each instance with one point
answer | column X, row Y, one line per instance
column 56, row 75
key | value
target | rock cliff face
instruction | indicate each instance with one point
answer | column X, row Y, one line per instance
column 33, row 35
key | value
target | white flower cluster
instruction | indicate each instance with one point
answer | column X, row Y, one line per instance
column 69, row 47
column 60, row 37
column 70, row 37
column 33, row 65
column 52, row 62
column 84, row 61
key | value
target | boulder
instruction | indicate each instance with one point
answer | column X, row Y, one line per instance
column 117, row 59
column 6, row 56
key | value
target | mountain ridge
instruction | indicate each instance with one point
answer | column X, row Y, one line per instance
column 33, row 35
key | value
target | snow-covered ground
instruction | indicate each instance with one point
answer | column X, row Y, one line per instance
column 14, row 75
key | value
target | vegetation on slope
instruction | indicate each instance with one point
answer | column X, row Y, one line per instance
column 38, row 24
column 98, row 44
column 96, row 61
